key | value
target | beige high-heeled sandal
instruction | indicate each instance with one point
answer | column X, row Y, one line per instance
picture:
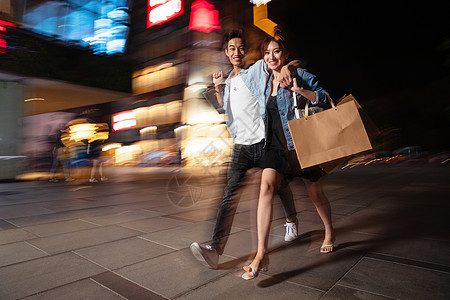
column 332, row 246
column 250, row 274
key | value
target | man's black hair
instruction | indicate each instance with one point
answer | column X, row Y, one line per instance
column 236, row 33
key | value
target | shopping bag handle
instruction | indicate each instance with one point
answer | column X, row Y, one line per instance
column 297, row 113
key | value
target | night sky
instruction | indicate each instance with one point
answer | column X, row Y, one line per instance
column 394, row 56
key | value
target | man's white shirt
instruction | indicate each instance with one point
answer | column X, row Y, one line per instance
column 244, row 106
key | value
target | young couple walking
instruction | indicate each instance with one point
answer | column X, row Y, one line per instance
column 258, row 102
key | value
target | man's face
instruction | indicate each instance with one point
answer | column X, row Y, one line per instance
column 236, row 51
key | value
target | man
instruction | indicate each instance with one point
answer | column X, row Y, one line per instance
column 243, row 101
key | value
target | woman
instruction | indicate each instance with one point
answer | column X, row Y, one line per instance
column 280, row 158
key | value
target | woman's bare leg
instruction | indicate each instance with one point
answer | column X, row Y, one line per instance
column 270, row 181
column 315, row 191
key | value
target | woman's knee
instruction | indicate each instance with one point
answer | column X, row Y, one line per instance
column 267, row 188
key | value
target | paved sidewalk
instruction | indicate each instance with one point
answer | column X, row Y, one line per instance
column 129, row 237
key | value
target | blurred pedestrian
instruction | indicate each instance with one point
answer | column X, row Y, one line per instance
column 242, row 98
column 280, row 159
column 94, row 150
column 60, row 155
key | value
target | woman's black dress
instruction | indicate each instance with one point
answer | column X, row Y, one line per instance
column 276, row 155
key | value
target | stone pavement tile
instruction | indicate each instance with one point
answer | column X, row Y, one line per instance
column 124, row 287
column 311, row 215
column 170, row 275
column 244, row 205
column 344, row 209
column 122, row 253
column 99, row 211
column 232, row 286
column 122, row 217
column 342, row 292
column 397, row 280
column 369, row 221
column 148, row 204
column 6, row 225
column 182, row 237
column 117, row 200
column 22, row 210
column 41, row 274
column 170, row 208
column 358, row 241
column 18, row 252
column 302, row 263
column 245, row 220
column 42, row 219
column 84, row 289
column 355, row 200
column 15, row 235
column 54, row 228
column 69, row 204
column 196, row 215
column 154, row 224
column 243, row 244
column 81, row 239
column 415, row 248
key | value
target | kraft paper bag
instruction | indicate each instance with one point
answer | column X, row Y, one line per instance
column 372, row 130
column 330, row 135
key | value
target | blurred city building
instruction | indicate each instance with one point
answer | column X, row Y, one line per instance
column 141, row 67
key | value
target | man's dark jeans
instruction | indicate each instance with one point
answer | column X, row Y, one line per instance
column 244, row 158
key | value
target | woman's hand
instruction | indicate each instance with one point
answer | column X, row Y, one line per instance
column 310, row 95
column 296, row 88
column 217, row 78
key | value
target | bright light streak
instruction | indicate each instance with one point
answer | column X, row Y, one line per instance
column 33, row 99
column 124, row 120
column 259, row 2
column 124, row 125
column 159, row 12
column 149, row 128
column 111, row 146
column 164, row 65
column 79, row 132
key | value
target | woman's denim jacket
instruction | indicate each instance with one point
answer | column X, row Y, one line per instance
column 255, row 78
column 285, row 100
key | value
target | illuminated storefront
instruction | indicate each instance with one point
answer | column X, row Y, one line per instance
column 101, row 25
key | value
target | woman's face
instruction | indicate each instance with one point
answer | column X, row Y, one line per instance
column 274, row 56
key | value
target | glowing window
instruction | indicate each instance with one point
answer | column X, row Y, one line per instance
column 160, row 11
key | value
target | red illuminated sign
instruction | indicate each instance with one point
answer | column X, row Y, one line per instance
column 124, row 120
column 161, row 11
column 3, row 25
column 203, row 17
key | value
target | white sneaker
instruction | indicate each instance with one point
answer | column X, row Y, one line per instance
column 68, row 179
column 103, row 178
column 291, row 231
column 93, row 180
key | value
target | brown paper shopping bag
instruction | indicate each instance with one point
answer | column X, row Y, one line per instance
column 329, row 135
column 372, row 130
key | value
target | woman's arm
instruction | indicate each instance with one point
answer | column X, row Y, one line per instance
column 308, row 86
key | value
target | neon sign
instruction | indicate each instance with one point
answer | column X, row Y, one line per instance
column 203, row 17
column 161, row 11
column 124, row 120
column 3, row 25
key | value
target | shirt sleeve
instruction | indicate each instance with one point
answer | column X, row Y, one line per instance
column 260, row 66
column 310, row 82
